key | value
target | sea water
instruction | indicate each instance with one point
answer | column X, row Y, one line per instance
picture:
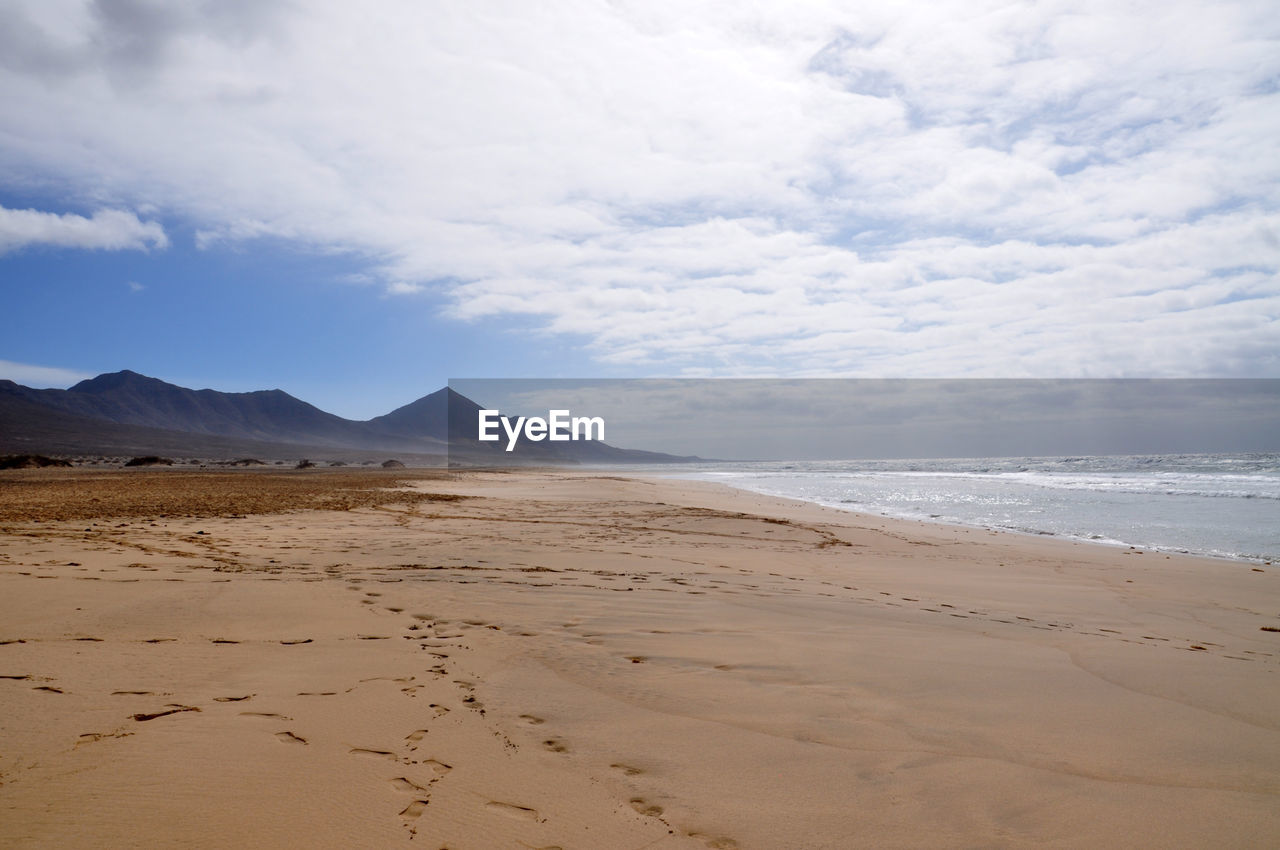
column 1218, row 505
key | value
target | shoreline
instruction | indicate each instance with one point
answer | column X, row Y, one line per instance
column 583, row 659
column 1255, row 560
column 1030, row 536
column 1028, row 533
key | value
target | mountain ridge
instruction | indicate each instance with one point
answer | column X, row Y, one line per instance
column 125, row 408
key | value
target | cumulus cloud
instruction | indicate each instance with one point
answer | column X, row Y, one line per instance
column 108, row 230
column 902, row 189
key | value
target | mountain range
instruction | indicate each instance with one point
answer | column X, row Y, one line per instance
column 122, row 413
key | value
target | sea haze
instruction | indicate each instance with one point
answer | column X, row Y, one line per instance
column 1208, row 504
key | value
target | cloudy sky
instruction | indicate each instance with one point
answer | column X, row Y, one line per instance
column 356, row 202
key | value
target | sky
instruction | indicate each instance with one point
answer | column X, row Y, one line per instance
column 357, row 202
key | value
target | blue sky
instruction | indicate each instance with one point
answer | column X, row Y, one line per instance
column 257, row 315
column 355, row 205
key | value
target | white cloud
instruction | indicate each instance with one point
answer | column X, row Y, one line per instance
column 399, row 287
column 941, row 188
column 40, row 376
column 109, row 230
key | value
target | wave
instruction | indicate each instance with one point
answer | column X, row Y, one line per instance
column 1216, row 505
column 1203, row 485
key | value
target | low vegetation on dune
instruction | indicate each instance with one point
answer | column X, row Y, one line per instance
column 31, row 462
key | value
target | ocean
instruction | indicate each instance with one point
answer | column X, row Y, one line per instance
column 1225, row 506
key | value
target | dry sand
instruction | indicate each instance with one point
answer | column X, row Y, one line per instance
column 576, row 660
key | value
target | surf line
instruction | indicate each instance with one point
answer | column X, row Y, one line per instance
column 559, row 426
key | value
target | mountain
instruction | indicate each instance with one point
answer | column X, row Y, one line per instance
column 27, row 427
column 127, row 398
column 436, row 416
column 128, row 413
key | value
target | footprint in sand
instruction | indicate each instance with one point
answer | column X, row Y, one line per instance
column 531, row 720
column 382, row 754
column 555, row 745
column 175, row 710
column 93, row 737
column 408, row 786
column 414, row 810
column 290, row 738
column 437, row 767
column 645, row 808
column 513, row 811
column 627, row 769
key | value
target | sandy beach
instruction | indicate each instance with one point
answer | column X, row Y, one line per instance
column 552, row 659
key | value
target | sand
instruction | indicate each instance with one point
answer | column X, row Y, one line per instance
column 578, row 660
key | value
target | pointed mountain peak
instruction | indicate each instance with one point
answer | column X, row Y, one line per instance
column 117, row 380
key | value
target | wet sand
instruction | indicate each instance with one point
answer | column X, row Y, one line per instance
column 578, row 660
